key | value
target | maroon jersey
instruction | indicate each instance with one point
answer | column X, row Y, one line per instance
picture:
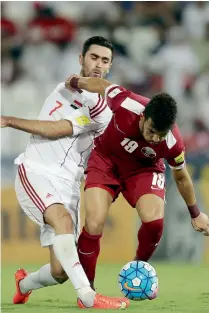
column 123, row 143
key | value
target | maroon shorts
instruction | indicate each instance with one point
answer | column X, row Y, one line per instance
column 100, row 173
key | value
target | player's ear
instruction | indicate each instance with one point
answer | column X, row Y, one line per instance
column 81, row 59
column 142, row 119
column 110, row 67
column 107, row 71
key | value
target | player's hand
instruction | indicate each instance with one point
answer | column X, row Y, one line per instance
column 67, row 82
column 4, row 121
column 201, row 223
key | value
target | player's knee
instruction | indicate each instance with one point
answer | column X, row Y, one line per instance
column 150, row 208
column 59, row 218
column 154, row 214
column 94, row 227
column 59, row 275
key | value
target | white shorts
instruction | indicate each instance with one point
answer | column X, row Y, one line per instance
column 35, row 192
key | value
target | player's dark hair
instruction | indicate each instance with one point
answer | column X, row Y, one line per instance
column 97, row 40
column 162, row 109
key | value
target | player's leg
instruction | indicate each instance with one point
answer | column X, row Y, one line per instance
column 146, row 192
column 150, row 208
column 59, row 231
column 56, row 269
column 48, row 275
column 97, row 203
column 65, row 251
column 101, row 188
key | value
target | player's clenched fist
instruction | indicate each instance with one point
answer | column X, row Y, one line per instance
column 201, row 223
column 68, row 83
column 4, row 121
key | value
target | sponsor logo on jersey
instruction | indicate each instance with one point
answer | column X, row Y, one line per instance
column 180, row 158
column 82, row 120
column 148, row 152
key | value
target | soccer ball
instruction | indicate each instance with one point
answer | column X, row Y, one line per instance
column 138, row 281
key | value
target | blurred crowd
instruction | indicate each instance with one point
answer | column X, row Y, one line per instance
column 158, row 46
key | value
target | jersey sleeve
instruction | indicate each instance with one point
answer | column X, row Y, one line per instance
column 83, row 122
column 176, row 149
column 117, row 96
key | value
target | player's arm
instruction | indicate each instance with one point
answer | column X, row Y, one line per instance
column 91, row 84
column 49, row 129
column 186, row 189
column 114, row 95
column 176, row 161
column 200, row 221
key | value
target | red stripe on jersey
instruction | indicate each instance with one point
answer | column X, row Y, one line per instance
column 96, row 106
column 59, row 105
column 78, row 103
column 30, row 190
column 99, row 111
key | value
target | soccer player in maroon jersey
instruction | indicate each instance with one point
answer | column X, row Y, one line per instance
column 128, row 158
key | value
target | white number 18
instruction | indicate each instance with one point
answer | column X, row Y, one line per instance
column 158, row 180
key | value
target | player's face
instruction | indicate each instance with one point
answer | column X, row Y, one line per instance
column 96, row 62
column 149, row 133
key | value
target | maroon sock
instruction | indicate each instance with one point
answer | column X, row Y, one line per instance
column 149, row 236
column 88, row 251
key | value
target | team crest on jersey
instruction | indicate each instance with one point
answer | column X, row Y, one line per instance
column 148, row 152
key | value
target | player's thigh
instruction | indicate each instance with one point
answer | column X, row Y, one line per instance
column 57, row 271
column 97, row 202
column 37, row 196
column 146, row 192
column 101, row 189
column 34, row 193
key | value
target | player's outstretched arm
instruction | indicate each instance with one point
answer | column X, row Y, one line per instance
column 91, row 84
column 200, row 221
column 49, row 129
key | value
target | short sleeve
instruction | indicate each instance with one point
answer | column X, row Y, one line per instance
column 83, row 122
column 176, row 149
column 117, row 96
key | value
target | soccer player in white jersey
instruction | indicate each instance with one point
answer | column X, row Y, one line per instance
column 50, row 172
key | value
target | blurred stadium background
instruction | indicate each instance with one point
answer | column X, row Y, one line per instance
column 159, row 46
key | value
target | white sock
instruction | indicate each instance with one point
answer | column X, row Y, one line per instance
column 66, row 252
column 37, row 280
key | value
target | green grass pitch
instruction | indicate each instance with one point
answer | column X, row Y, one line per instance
column 183, row 289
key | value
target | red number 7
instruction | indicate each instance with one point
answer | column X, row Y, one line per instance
column 59, row 104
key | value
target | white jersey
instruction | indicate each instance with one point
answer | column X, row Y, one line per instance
column 89, row 115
